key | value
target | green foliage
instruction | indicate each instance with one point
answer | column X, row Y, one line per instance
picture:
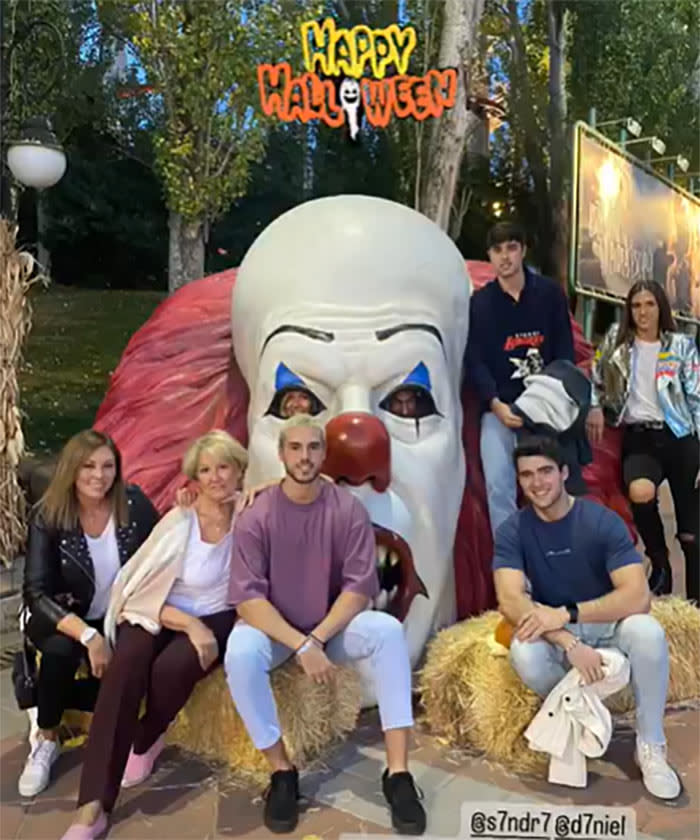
column 640, row 58
column 635, row 58
column 201, row 57
column 57, row 63
column 107, row 221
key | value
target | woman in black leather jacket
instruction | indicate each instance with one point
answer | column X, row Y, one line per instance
column 86, row 526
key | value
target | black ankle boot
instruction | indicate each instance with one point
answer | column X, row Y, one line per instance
column 660, row 580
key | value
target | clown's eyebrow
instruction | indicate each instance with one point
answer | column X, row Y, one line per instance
column 309, row 332
column 382, row 335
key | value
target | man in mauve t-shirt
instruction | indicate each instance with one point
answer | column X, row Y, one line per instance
column 303, row 574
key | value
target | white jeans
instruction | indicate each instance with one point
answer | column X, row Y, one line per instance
column 541, row 665
column 373, row 636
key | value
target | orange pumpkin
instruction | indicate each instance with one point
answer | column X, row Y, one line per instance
column 503, row 632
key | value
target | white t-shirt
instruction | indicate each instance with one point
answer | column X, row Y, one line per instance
column 204, row 585
column 643, row 404
column 104, row 552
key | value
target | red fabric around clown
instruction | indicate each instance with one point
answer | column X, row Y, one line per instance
column 178, row 379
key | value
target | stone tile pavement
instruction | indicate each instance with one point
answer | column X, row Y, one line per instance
column 187, row 798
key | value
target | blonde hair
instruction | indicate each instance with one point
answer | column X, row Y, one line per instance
column 217, row 443
column 301, row 421
column 59, row 504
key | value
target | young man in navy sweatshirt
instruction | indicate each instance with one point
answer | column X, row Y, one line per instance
column 518, row 324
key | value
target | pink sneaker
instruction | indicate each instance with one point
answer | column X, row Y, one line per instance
column 139, row 767
column 87, row 832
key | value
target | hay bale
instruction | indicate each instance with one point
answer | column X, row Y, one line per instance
column 312, row 717
column 474, row 699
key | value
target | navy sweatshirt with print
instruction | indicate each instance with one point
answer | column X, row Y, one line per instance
column 509, row 339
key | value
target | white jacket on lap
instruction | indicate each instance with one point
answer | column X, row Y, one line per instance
column 574, row 724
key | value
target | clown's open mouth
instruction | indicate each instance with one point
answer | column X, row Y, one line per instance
column 398, row 579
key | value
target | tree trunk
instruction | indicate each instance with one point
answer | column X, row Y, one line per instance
column 449, row 132
column 556, row 38
column 185, row 251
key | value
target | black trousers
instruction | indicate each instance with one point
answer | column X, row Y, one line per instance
column 657, row 454
column 57, row 688
column 163, row 668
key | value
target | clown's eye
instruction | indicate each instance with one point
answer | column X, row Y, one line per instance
column 410, row 401
column 290, row 401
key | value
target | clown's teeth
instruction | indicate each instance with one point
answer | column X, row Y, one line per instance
column 393, row 558
column 381, row 555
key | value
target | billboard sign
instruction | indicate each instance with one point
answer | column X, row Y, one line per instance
column 630, row 223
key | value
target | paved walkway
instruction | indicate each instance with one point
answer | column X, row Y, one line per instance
column 187, row 798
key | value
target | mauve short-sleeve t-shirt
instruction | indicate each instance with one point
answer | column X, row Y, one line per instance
column 300, row 557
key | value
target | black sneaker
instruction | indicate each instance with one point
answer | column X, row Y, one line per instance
column 282, row 801
column 407, row 814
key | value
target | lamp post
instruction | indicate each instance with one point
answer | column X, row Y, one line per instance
column 34, row 156
column 35, row 159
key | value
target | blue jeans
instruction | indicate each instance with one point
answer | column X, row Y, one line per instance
column 541, row 665
column 372, row 636
column 497, row 445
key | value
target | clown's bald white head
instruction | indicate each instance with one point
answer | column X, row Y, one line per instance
column 350, row 299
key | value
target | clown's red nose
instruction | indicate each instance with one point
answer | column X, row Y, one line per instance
column 358, row 450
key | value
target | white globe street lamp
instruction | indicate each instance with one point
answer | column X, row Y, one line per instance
column 37, row 159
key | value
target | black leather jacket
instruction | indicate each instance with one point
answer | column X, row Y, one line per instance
column 59, row 576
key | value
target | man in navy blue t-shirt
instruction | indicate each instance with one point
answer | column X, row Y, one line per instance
column 518, row 324
column 569, row 579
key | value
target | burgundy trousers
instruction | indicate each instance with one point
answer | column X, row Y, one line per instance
column 164, row 669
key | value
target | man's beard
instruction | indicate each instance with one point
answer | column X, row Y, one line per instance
column 308, row 478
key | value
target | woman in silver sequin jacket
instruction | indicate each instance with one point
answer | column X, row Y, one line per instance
column 646, row 379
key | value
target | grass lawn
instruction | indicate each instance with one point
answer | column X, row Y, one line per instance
column 76, row 341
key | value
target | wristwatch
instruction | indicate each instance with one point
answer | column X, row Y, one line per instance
column 573, row 613
column 87, row 636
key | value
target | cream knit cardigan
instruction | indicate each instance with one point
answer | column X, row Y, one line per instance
column 144, row 582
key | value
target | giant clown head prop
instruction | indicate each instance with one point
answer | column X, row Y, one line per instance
column 360, row 305
column 352, row 299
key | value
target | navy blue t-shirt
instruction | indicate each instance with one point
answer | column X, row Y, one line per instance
column 568, row 561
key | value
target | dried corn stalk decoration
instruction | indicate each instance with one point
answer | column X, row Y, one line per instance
column 16, row 270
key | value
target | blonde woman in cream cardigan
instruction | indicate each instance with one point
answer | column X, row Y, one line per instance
column 168, row 620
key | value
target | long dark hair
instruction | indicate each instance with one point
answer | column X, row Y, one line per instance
column 59, row 504
column 666, row 322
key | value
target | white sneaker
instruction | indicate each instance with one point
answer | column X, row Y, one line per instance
column 37, row 771
column 659, row 778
